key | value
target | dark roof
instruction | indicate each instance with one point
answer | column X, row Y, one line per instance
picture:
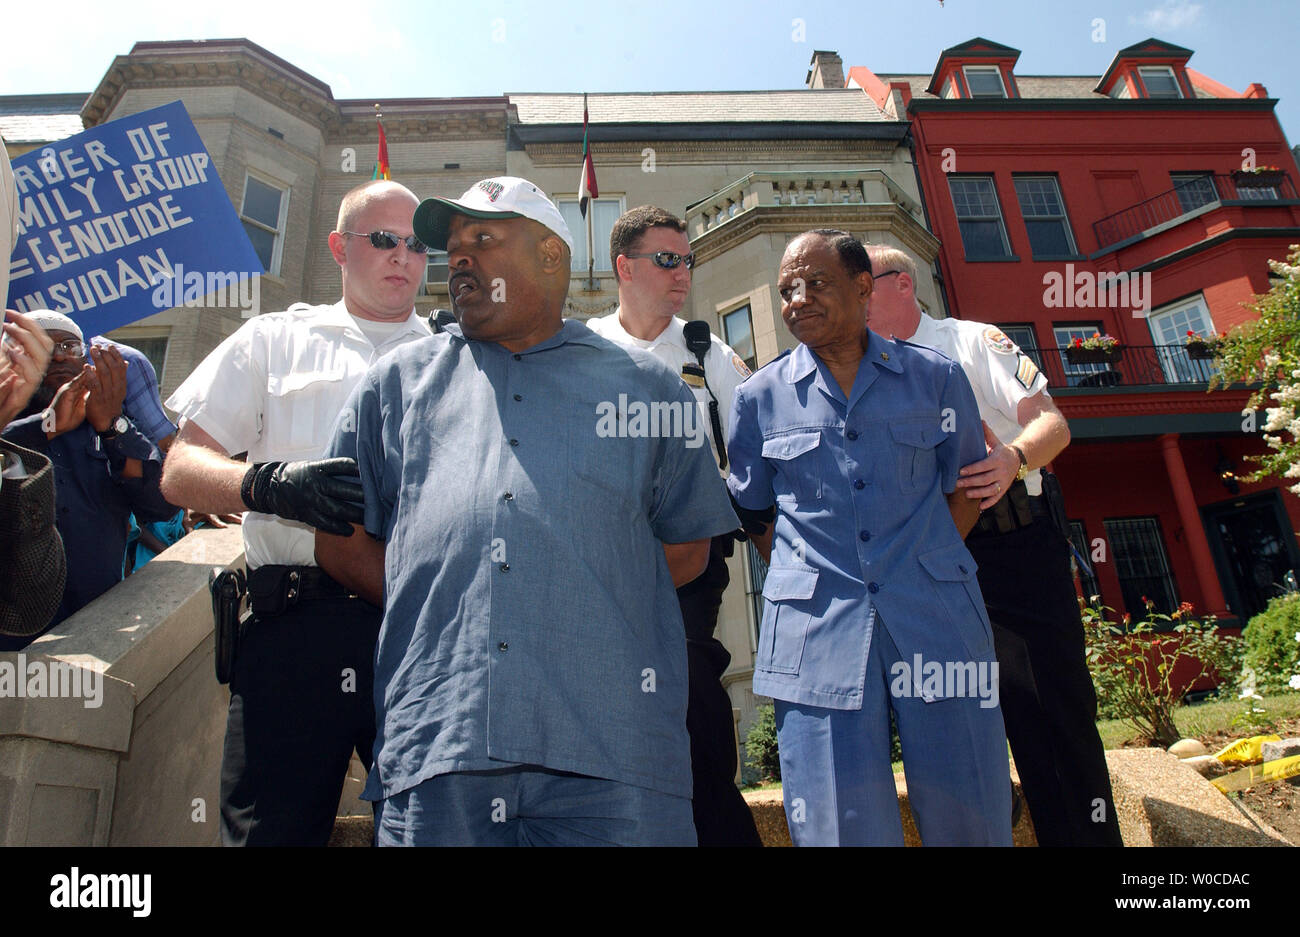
column 40, row 118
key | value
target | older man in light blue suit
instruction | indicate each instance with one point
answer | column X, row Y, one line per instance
column 872, row 601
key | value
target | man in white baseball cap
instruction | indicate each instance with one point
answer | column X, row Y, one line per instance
column 532, row 658
column 500, row 197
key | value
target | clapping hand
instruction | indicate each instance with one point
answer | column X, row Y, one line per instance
column 67, row 410
column 106, row 381
column 23, row 360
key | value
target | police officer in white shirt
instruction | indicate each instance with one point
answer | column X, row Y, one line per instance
column 302, row 683
column 1048, row 701
column 652, row 262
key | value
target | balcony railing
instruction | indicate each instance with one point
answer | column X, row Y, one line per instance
column 764, row 189
column 1132, row 366
column 1190, row 197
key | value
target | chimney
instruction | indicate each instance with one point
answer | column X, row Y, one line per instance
column 826, row 70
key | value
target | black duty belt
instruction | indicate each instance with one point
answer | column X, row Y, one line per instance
column 273, row 590
column 1017, row 509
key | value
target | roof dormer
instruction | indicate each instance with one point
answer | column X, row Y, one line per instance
column 977, row 68
column 1149, row 69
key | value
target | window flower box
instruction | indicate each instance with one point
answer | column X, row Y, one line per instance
column 1261, row 178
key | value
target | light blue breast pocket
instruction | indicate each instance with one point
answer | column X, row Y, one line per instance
column 914, row 445
column 788, row 611
column 797, row 460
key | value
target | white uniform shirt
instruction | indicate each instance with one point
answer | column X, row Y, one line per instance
column 274, row 389
column 723, row 368
column 999, row 372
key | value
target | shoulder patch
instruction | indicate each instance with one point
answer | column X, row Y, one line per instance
column 741, row 368
column 998, row 341
column 1027, row 372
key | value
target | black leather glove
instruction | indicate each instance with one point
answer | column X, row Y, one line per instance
column 752, row 523
column 325, row 494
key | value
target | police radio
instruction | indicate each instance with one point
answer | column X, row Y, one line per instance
column 698, row 342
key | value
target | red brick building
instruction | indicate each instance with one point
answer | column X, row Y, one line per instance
column 1069, row 205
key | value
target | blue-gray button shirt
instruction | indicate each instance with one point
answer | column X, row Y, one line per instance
column 862, row 523
column 530, row 617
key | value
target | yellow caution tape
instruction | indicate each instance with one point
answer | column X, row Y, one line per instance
column 1276, row 770
column 1246, row 751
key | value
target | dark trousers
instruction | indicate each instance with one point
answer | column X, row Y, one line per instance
column 1048, row 701
column 722, row 817
column 301, row 699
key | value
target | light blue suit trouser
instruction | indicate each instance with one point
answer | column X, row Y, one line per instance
column 838, row 785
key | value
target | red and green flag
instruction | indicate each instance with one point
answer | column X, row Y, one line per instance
column 587, row 185
column 381, row 167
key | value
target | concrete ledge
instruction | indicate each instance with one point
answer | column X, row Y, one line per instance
column 1163, row 802
column 143, row 767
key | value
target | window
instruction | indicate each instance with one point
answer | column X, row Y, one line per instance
column 984, row 81
column 1079, row 538
column 1257, row 192
column 738, row 332
column 1044, row 214
column 949, row 89
column 1160, row 82
column 1082, row 375
column 1120, row 90
column 265, row 207
column 976, row 202
column 155, row 349
column 1023, row 335
column 757, row 576
column 604, row 212
column 1138, row 551
column 437, row 271
column 1169, row 328
column 1194, row 189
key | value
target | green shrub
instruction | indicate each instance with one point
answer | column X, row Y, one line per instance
column 1272, row 651
column 1135, row 670
column 760, row 745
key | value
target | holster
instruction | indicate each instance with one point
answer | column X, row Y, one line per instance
column 1010, row 513
column 1055, row 498
column 228, row 587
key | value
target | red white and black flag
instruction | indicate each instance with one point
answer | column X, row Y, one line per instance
column 587, row 185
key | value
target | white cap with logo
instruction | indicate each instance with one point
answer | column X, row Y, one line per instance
column 499, row 197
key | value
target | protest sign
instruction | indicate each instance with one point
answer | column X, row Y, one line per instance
column 125, row 220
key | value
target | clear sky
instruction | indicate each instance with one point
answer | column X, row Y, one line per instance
column 398, row 48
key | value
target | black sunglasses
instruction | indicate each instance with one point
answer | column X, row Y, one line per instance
column 386, row 241
column 668, row 260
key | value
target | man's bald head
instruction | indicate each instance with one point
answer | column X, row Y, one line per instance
column 357, row 200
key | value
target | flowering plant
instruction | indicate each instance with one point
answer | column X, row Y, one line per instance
column 1098, row 342
column 1266, row 352
column 1196, row 338
column 1136, row 666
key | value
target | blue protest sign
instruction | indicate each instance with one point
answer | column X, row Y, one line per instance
column 125, row 220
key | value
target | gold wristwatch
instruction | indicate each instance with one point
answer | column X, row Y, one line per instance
column 1024, row 463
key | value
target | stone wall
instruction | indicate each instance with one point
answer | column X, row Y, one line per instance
column 136, row 762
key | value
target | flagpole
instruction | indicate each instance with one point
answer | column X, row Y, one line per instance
column 591, row 254
column 591, row 257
